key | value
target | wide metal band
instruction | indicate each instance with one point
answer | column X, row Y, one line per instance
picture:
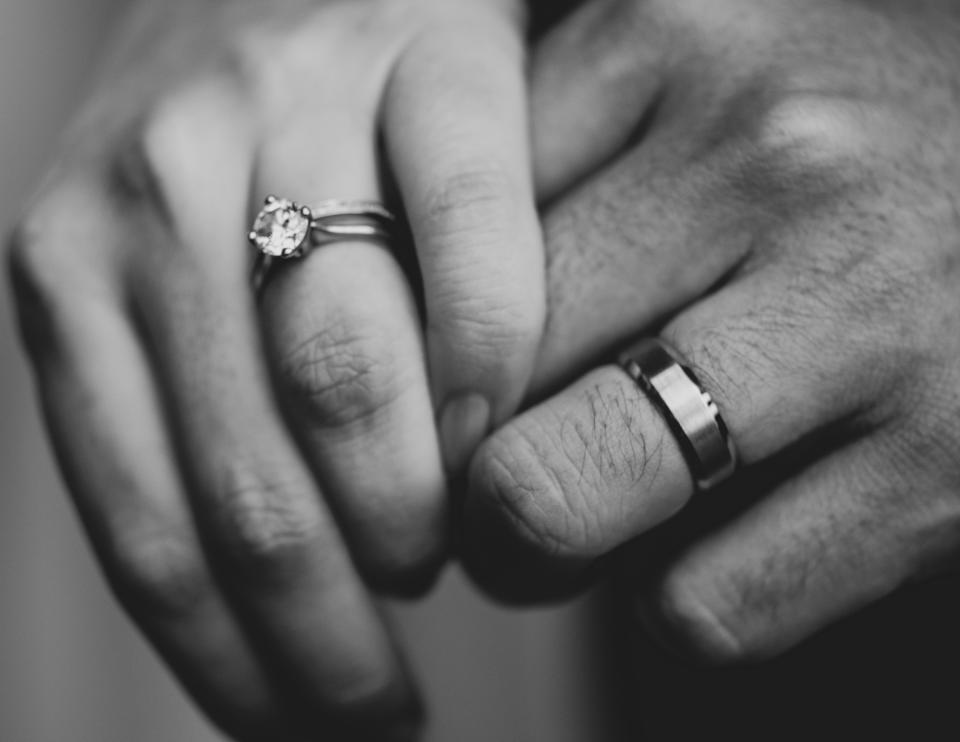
column 688, row 409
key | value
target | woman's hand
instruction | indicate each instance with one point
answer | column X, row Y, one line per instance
column 771, row 186
column 217, row 518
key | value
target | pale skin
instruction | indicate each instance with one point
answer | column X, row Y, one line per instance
column 238, row 519
column 769, row 185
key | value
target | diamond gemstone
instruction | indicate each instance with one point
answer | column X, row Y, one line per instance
column 280, row 228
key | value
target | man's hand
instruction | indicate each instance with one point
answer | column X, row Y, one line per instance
column 772, row 187
column 239, row 473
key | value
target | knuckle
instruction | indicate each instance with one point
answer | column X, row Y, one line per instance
column 806, row 147
column 33, row 255
column 159, row 154
column 340, row 377
column 490, row 330
column 148, row 152
column 685, row 619
column 38, row 278
column 302, row 53
column 470, row 205
column 616, row 438
column 30, row 265
column 529, row 497
column 159, row 575
column 266, row 524
column 267, row 77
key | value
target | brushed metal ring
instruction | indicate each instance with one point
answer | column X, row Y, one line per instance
column 688, row 409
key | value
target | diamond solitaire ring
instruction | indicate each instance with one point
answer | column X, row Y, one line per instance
column 285, row 229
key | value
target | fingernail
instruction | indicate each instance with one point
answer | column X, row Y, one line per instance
column 464, row 422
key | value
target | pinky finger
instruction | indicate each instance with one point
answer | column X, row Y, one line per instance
column 106, row 426
column 841, row 536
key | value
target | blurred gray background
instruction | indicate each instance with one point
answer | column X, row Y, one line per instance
column 72, row 669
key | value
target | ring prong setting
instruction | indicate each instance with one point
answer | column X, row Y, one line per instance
column 281, row 228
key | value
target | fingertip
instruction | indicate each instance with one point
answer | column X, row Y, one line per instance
column 464, row 422
column 681, row 620
column 501, row 550
column 481, row 361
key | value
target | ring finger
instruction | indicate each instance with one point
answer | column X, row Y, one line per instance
column 343, row 332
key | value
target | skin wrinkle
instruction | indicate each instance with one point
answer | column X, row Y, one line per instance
column 636, row 455
column 343, row 382
column 927, row 432
column 350, row 389
column 579, row 518
column 781, row 580
column 262, row 526
column 516, row 493
column 158, row 573
column 586, row 444
column 612, row 456
column 484, row 327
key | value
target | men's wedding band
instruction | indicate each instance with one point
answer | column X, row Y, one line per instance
column 690, row 412
column 285, row 229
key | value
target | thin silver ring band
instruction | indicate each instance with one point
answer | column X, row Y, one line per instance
column 690, row 412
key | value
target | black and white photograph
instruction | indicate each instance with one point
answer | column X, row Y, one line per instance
column 479, row 370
